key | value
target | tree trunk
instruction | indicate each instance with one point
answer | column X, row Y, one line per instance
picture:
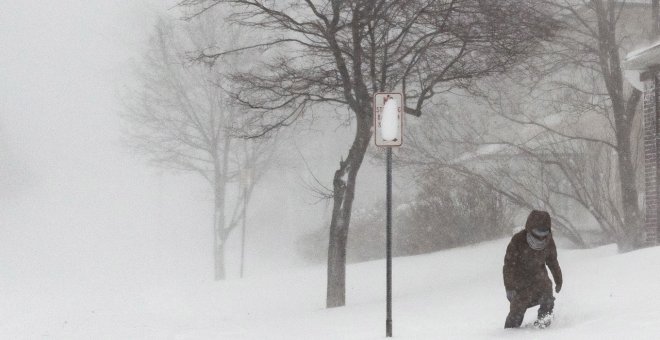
column 623, row 111
column 221, row 167
column 343, row 194
column 655, row 15
column 629, row 236
column 630, row 232
column 218, row 242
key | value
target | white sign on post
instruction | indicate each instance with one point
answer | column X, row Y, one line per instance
column 388, row 119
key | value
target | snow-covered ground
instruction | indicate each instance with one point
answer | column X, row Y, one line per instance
column 454, row 294
column 94, row 246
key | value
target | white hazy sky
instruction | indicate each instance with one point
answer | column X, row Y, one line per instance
column 75, row 204
column 60, row 64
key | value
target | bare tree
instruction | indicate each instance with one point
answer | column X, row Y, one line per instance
column 531, row 167
column 655, row 15
column 592, row 47
column 596, row 40
column 339, row 53
column 470, row 147
column 570, row 112
column 181, row 120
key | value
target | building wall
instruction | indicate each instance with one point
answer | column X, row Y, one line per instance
column 651, row 160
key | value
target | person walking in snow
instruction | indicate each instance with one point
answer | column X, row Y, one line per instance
column 525, row 276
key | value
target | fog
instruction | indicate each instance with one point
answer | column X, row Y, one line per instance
column 87, row 222
column 78, row 207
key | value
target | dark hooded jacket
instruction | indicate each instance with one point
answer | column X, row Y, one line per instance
column 524, row 267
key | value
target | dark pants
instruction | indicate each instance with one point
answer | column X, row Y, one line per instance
column 529, row 298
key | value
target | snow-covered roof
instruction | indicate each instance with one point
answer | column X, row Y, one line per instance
column 644, row 57
column 503, row 149
column 482, row 151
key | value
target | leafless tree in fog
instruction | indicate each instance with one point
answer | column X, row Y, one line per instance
column 530, row 168
column 600, row 32
column 655, row 17
column 571, row 116
column 339, row 53
column 597, row 40
column 181, row 119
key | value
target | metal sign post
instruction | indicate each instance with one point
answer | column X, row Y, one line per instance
column 388, row 123
column 388, row 320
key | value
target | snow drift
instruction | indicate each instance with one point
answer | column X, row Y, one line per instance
column 454, row 294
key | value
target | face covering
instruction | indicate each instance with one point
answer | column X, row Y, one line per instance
column 540, row 233
column 538, row 242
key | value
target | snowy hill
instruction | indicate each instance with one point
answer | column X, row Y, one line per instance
column 454, row 294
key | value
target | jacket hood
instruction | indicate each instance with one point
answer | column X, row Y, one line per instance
column 538, row 218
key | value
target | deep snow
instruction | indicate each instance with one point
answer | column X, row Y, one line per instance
column 96, row 247
column 453, row 294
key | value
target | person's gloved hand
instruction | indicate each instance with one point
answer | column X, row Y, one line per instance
column 510, row 294
column 558, row 287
